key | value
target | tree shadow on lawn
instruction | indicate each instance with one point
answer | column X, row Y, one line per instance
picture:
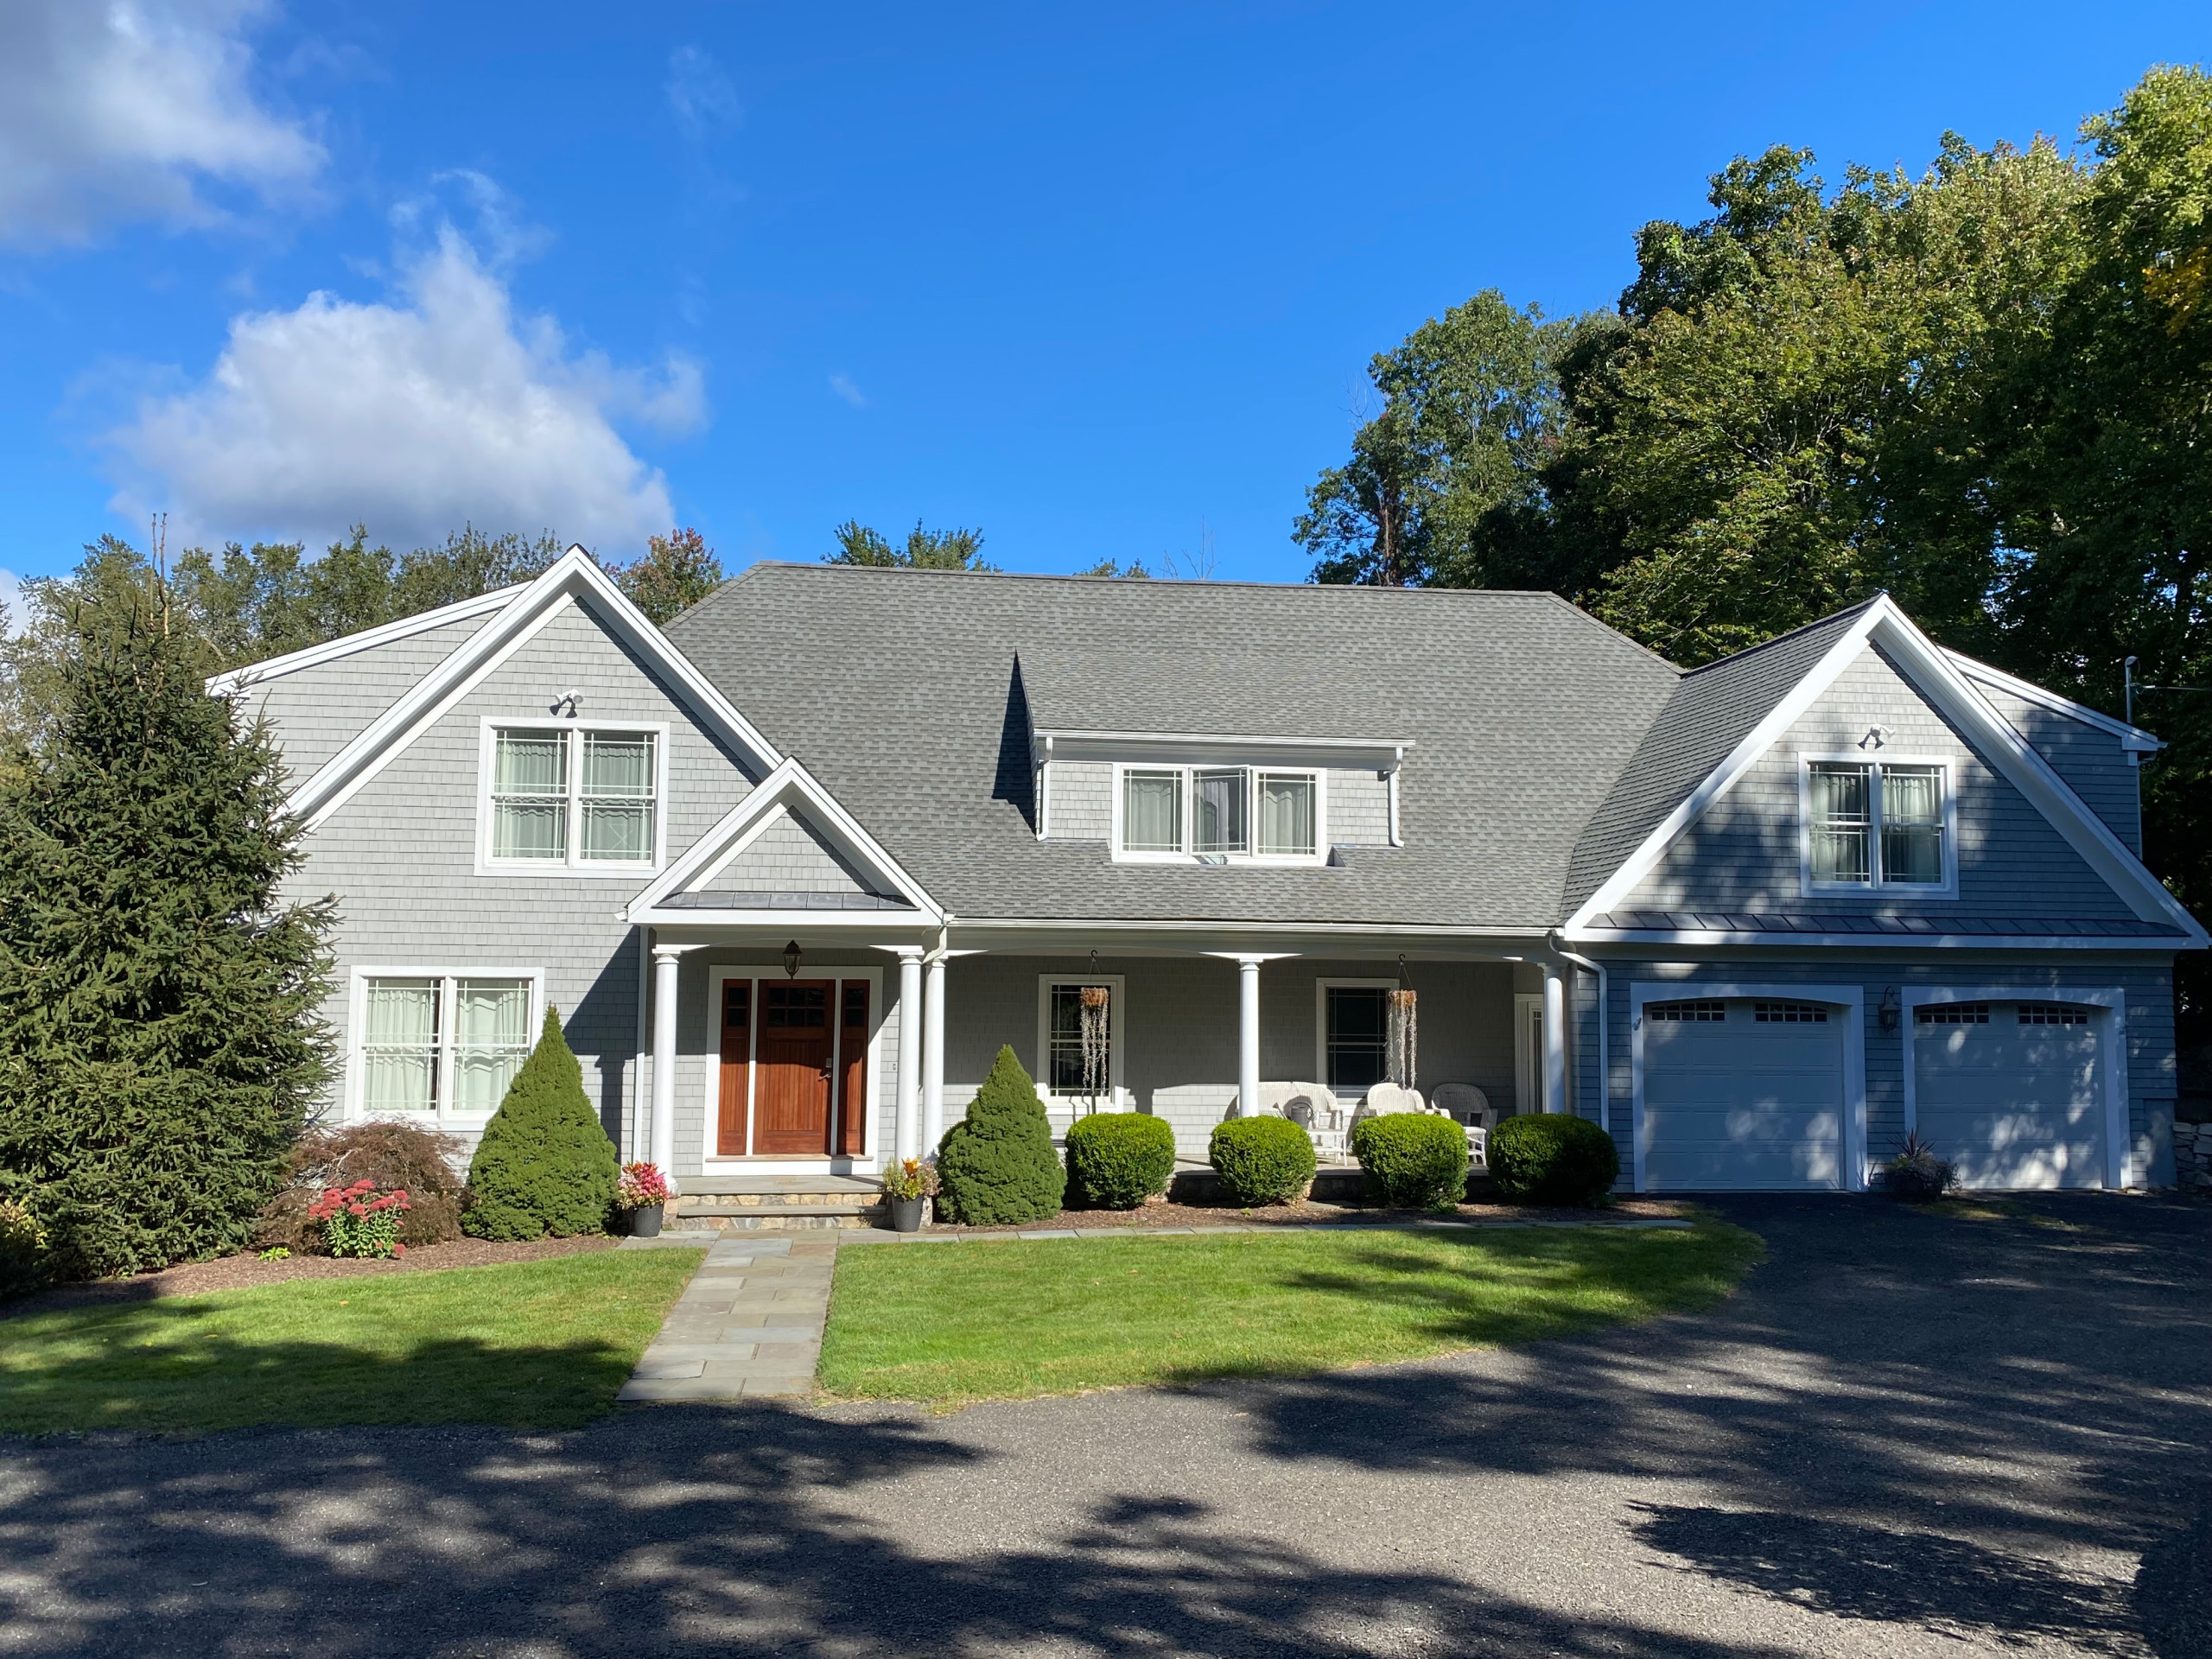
column 1986, row 1397
column 729, row 1530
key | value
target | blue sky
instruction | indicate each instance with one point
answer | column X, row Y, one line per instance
column 1102, row 281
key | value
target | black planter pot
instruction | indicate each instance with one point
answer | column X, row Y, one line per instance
column 644, row 1221
column 905, row 1215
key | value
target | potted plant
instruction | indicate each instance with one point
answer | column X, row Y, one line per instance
column 643, row 1192
column 1917, row 1173
column 904, row 1189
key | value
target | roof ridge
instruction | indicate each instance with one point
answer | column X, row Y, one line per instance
column 1165, row 583
column 1781, row 638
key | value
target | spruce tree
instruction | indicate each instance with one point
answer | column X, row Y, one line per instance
column 159, row 1038
column 997, row 1163
column 544, row 1165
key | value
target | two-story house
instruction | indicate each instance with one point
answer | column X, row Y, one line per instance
column 794, row 869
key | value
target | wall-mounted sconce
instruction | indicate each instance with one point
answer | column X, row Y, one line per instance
column 1891, row 1009
column 790, row 960
column 568, row 704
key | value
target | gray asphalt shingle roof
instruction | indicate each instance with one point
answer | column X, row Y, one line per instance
column 910, row 694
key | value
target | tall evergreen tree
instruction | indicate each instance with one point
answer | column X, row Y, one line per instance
column 160, row 1043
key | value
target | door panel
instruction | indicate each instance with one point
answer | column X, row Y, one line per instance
column 737, row 1068
column 2015, row 1101
column 852, row 1069
column 1736, row 1101
column 792, row 1063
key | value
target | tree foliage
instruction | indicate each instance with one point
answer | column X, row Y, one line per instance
column 922, row 549
column 543, row 1166
column 160, row 1040
column 997, row 1163
column 678, row 571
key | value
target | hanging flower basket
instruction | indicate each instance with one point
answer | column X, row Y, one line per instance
column 1404, row 1036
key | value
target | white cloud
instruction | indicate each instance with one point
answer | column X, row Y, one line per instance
column 699, row 93
column 119, row 110
column 411, row 416
column 842, row 384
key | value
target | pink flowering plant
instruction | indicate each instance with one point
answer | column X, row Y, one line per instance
column 641, row 1186
column 357, row 1220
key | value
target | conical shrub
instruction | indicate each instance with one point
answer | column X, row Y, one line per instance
column 544, row 1166
column 997, row 1164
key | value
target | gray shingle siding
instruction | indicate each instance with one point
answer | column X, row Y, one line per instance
column 1079, row 800
column 788, row 857
column 1742, row 853
column 1359, row 809
column 315, row 712
column 2091, row 761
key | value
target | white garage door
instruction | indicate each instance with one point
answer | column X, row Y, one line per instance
column 1745, row 1093
column 2012, row 1092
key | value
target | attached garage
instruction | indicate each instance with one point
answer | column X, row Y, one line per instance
column 2016, row 1094
column 1744, row 1092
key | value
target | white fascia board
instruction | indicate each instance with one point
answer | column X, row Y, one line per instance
column 666, row 922
column 1877, row 942
column 1726, row 776
column 332, row 651
column 2132, row 739
column 1187, row 747
column 788, row 784
column 574, row 578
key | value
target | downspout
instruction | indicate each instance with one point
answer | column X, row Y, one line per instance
column 1604, row 1028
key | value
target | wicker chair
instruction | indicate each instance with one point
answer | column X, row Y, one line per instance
column 1469, row 1107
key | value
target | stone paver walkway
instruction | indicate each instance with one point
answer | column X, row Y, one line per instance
column 749, row 1323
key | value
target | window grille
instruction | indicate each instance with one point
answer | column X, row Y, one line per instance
column 1359, row 1037
column 1953, row 1014
column 1789, row 1014
column 1708, row 1012
column 442, row 1042
column 2052, row 1014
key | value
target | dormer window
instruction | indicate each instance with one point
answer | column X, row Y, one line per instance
column 1218, row 815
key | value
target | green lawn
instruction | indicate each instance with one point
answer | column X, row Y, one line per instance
column 981, row 1319
column 537, row 1345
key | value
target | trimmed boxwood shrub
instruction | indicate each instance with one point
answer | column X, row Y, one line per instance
column 1118, row 1160
column 1412, row 1159
column 1262, row 1159
column 1552, row 1157
column 544, row 1165
column 997, row 1164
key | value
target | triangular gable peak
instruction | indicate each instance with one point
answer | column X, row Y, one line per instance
column 1938, row 678
column 789, row 830
column 575, row 579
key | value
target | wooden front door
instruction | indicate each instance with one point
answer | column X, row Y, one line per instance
column 737, row 1066
column 793, row 1058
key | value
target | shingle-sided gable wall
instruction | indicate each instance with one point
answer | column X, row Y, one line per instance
column 315, row 712
column 1742, row 853
column 787, row 857
column 2090, row 760
column 401, row 854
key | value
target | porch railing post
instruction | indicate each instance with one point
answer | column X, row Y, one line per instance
column 934, row 1056
column 904, row 1126
column 667, row 961
column 1554, row 1037
column 1248, row 1036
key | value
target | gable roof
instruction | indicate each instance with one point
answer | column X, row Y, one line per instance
column 913, row 696
column 520, row 611
column 333, row 651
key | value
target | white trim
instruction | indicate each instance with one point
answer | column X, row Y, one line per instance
column 1220, row 748
column 2133, row 739
column 572, row 862
column 2010, row 755
column 1527, row 1051
column 789, row 781
column 1321, row 989
column 1116, row 1010
column 572, row 579
column 1188, row 772
column 2112, row 1042
column 332, row 651
column 868, row 1160
column 1851, row 1151
column 357, row 1012
column 2165, row 947
column 1947, row 889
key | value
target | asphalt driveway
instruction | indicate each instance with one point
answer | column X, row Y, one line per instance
column 1908, row 1435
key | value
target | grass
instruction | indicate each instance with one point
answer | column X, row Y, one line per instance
column 953, row 1323
column 534, row 1345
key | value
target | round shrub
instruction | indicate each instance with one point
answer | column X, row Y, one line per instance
column 1412, row 1159
column 997, row 1165
column 396, row 1157
column 22, row 1251
column 544, row 1165
column 1552, row 1157
column 1118, row 1160
column 1262, row 1159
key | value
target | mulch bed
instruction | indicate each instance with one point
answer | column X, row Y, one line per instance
column 1308, row 1213
column 239, row 1272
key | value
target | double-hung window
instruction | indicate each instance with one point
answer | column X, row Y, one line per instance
column 573, row 798
column 444, row 1044
column 1219, row 813
column 1079, row 1033
column 1877, row 824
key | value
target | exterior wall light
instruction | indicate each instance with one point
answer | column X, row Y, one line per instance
column 790, row 960
column 1891, row 1009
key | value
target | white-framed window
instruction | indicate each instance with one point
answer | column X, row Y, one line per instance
column 441, row 1043
column 572, row 796
column 1877, row 823
column 1062, row 1068
column 1352, row 1033
column 1271, row 815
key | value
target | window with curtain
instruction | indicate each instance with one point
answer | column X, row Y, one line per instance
column 573, row 796
column 1286, row 827
column 1152, row 811
column 530, row 795
column 1358, row 1040
column 441, row 1043
column 617, row 796
column 1221, row 795
column 1874, row 824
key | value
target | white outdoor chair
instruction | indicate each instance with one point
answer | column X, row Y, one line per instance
column 1469, row 1107
column 1315, row 1110
column 1271, row 1096
column 1383, row 1098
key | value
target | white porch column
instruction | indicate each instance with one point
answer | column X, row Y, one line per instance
column 667, row 959
column 1554, row 1037
column 934, row 1056
column 906, row 1130
column 1247, row 1035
